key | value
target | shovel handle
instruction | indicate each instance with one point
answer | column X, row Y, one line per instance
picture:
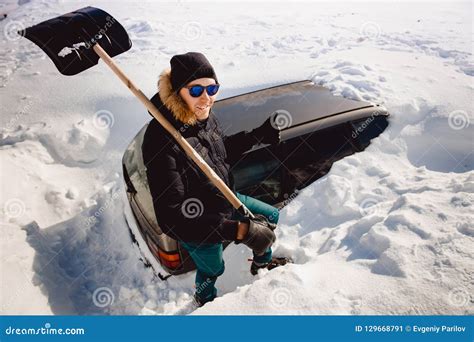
column 188, row 149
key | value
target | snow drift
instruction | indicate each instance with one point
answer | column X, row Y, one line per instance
column 387, row 231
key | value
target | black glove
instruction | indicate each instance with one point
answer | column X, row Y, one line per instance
column 260, row 235
column 268, row 132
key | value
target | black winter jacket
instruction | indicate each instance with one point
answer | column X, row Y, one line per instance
column 188, row 206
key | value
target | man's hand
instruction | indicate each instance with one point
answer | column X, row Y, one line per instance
column 257, row 234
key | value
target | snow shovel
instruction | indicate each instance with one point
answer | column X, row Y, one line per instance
column 75, row 41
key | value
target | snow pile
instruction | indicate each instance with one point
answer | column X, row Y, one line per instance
column 396, row 239
column 387, row 231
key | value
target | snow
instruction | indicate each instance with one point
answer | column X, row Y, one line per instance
column 388, row 231
column 67, row 50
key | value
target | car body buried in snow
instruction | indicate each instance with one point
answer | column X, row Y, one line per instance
column 318, row 129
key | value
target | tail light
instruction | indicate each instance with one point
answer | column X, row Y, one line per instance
column 170, row 260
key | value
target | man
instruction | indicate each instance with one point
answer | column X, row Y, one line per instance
column 189, row 207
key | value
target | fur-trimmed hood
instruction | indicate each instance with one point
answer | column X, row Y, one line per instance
column 173, row 101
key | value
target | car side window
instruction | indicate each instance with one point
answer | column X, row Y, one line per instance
column 271, row 174
column 258, row 174
column 310, row 156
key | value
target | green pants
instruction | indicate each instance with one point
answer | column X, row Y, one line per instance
column 208, row 256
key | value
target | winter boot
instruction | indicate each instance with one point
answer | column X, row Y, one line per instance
column 199, row 302
column 276, row 262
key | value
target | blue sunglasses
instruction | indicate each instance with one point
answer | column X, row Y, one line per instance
column 197, row 90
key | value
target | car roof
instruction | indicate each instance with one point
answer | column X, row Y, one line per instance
column 302, row 102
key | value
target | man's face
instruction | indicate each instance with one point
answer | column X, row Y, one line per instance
column 201, row 105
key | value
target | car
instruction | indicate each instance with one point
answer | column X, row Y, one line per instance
column 317, row 129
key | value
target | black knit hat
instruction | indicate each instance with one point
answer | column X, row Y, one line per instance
column 189, row 67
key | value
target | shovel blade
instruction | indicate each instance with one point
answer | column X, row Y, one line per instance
column 69, row 39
